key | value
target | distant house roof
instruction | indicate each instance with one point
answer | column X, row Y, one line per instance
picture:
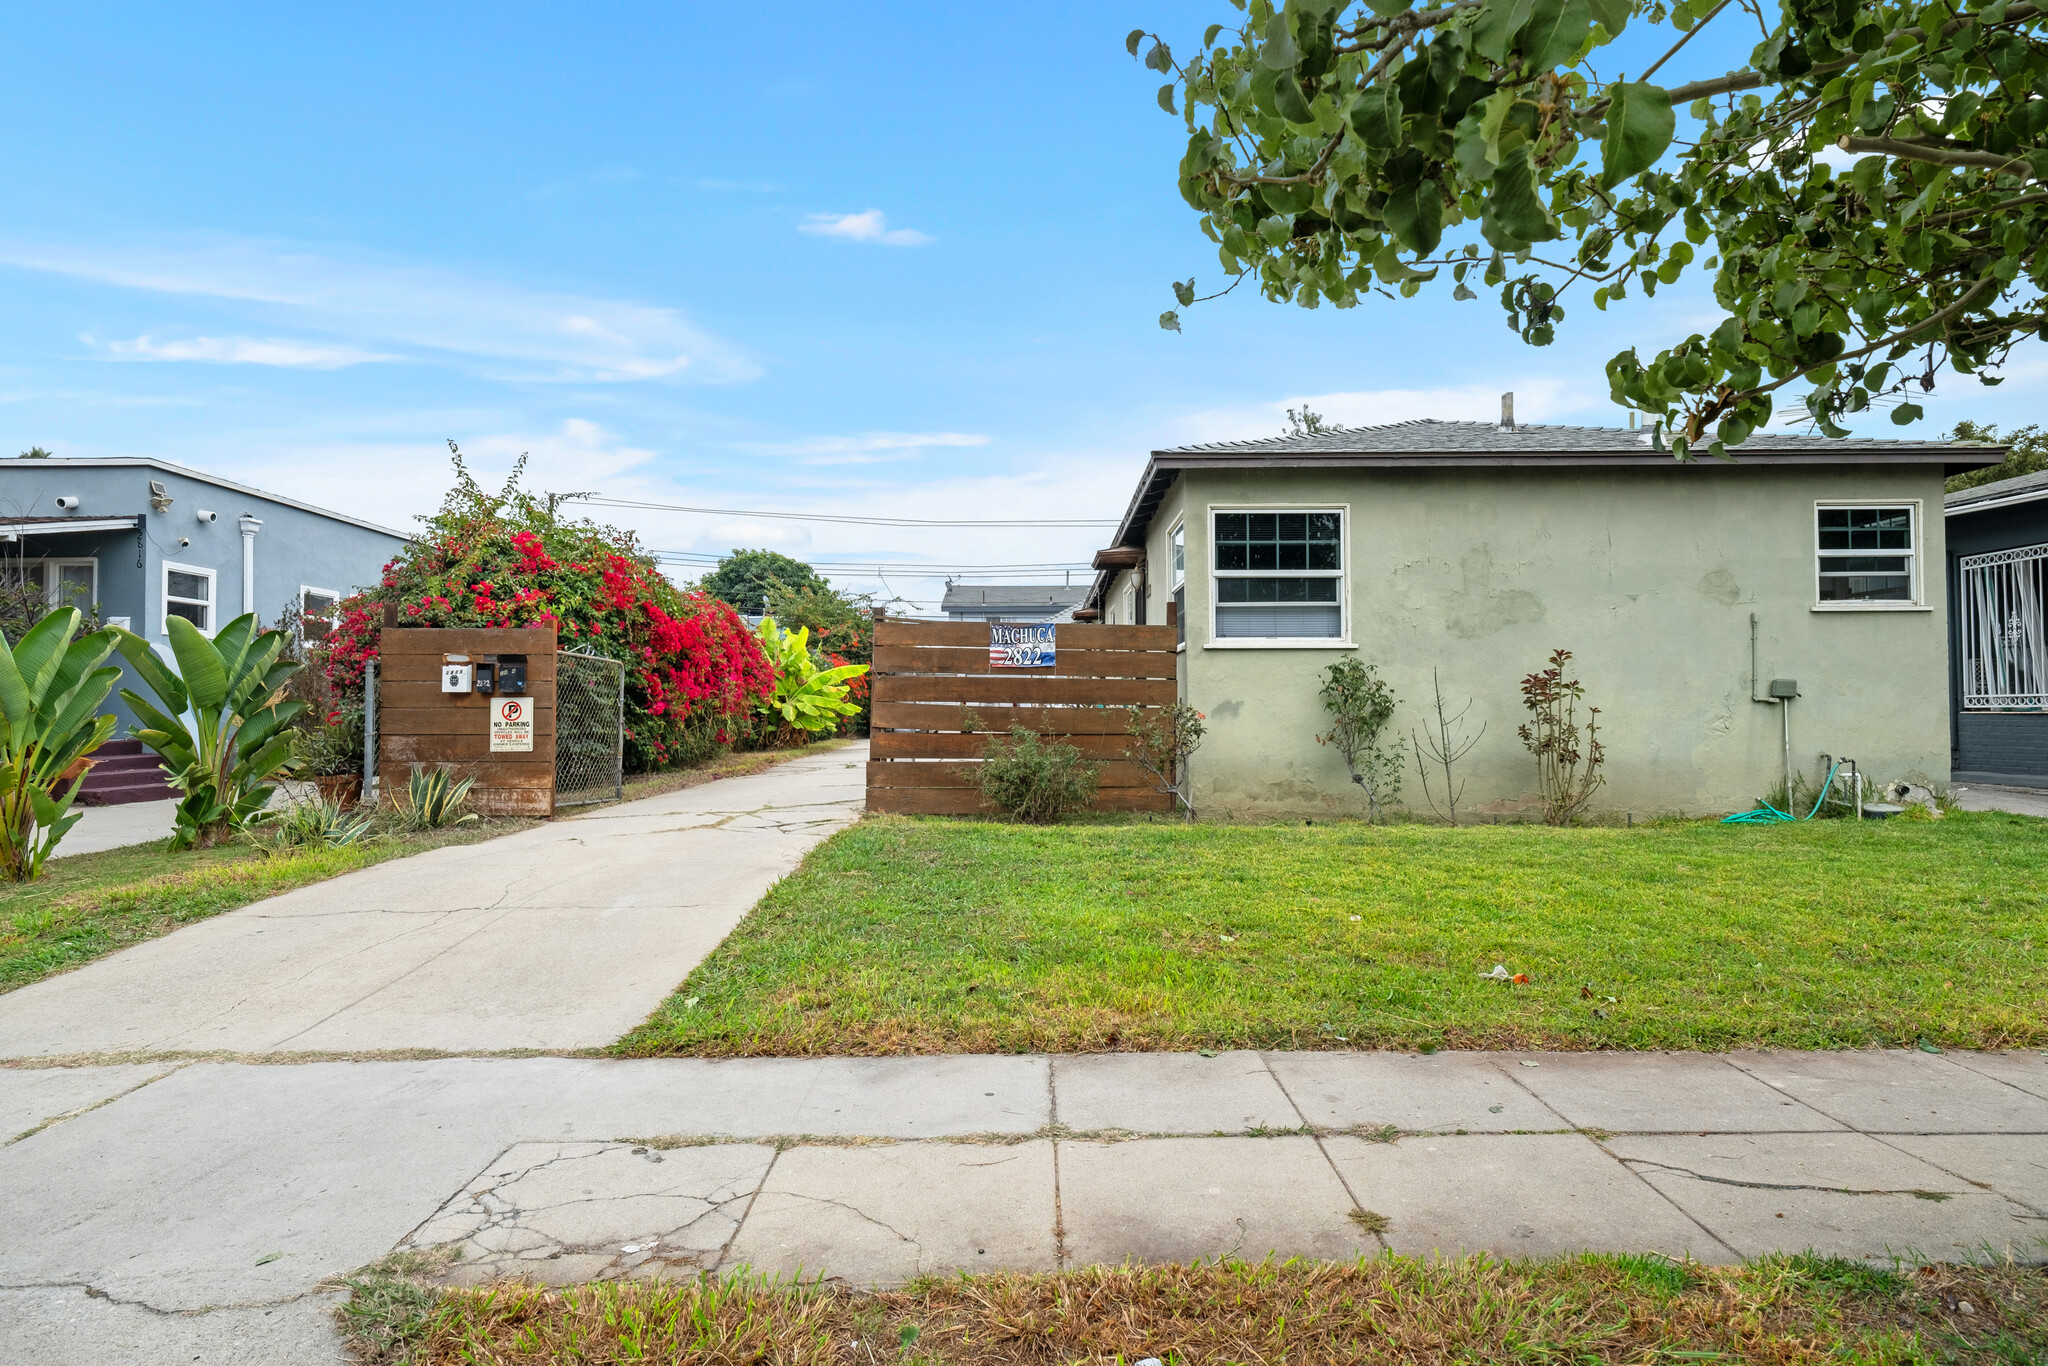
column 138, row 462
column 2025, row 488
column 964, row 600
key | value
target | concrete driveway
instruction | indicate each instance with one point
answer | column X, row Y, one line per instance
column 556, row 938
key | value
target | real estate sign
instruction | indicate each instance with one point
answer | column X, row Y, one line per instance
column 511, row 725
column 1020, row 647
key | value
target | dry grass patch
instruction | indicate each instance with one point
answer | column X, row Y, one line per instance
column 1596, row 1310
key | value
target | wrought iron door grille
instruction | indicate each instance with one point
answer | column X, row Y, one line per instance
column 2004, row 635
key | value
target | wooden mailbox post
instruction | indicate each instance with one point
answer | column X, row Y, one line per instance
column 420, row 722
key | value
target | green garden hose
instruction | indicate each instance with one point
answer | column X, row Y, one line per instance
column 1766, row 813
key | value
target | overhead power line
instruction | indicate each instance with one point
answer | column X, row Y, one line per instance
column 832, row 517
column 691, row 559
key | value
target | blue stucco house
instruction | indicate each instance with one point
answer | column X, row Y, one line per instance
column 140, row 541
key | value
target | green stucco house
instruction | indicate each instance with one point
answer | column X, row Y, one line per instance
column 1470, row 550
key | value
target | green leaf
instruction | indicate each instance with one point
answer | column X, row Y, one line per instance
column 1376, row 118
column 40, row 653
column 1492, row 119
column 1515, row 215
column 199, row 664
column 1493, row 33
column 1170, row 320
column 1415, row 213
column 1137, row 36
column 1184, row 292
column 1556, row 30
column 1166, row 98
column 1612, row 15
column 1639, row 127
column 1387, row 9
column 1160, row 58
column 1278, row 52
column 149, row 666
column 1907, row 412
column 1208, row 37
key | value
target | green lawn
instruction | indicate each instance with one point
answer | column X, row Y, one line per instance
column 1593, row 1310
column 906, row 935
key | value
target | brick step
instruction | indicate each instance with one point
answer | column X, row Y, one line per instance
column 126, row 793
column 124, row 763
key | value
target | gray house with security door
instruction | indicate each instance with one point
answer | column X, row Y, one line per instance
column 1998, row 576
column 135, row 542
column 1731, row 619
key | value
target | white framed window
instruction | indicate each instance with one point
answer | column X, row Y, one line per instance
column 59, row 583
column 1278, row 575
column 2004, row 629
column 1177, row 588
column 1867, row 555
column 316, row 612
column 188, row 593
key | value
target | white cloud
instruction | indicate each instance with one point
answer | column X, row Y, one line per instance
column 1536, row 400
column 392, row 482
column 867, row 449
column 246, row 351
column 872, row 226
column 423, row 312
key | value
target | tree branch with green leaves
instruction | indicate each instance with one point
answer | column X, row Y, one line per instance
column 1338, row 148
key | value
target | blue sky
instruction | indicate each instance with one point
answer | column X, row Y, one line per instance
column 898, row 260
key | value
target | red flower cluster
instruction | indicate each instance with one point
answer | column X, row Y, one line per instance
column 693, row 669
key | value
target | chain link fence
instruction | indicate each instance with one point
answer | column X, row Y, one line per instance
column 590, row 728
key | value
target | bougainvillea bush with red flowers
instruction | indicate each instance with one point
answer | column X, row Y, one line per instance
column 695, row 675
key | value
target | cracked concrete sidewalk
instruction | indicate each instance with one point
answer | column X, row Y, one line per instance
column 200, row 1211
column 560, row 937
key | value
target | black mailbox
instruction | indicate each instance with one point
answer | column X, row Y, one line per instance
column 486, row 678
column 511, row 678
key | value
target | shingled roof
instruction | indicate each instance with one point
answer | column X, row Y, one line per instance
column 1428, row 443
column 2025, row 488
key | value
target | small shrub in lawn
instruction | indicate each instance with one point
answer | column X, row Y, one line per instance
column 301, row 824
column 1029, row 780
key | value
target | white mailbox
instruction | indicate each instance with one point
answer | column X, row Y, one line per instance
column 457, row 675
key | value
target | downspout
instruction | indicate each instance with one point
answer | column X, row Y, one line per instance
column 250, row 526
column 1782, row 704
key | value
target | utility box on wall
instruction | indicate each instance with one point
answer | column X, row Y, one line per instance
column 481, row 699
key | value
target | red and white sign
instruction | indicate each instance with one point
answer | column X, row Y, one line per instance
column 511, row 725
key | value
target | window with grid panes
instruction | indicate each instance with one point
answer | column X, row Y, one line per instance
column 1865, row 554
column 1279, row 575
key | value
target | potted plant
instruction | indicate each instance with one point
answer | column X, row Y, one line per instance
column 329, row 752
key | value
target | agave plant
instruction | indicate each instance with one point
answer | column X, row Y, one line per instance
column 302, row 824
column 51, row 688
column 218, row 721
column 434, row 797
column 806, row 697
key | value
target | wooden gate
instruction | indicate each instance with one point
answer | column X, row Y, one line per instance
column 929, row 675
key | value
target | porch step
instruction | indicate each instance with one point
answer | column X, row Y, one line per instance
column 124, row 772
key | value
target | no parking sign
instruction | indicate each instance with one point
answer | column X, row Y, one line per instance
column 511, row 725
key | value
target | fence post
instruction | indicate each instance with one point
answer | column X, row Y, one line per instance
column 619, row 748
column 370, row 732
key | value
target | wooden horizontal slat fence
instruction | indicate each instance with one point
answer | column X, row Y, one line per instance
column 928, row 677
column 419, row 724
